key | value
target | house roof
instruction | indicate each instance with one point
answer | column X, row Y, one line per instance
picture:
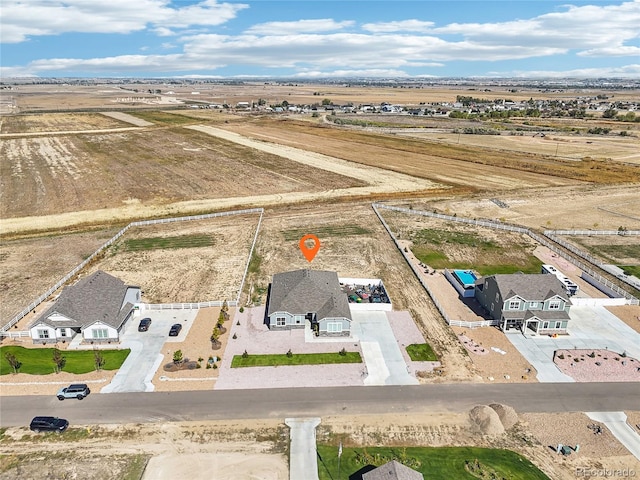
column 98, row 297
column 303, row 291
column 529, row 286
column 392, row 470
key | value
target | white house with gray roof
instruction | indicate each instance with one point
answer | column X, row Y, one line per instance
column 308, row 295
column 530, row 303
column 95, row 307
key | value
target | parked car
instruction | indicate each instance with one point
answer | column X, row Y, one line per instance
column 175, row 330
column 75, row 390
column 48, row 424
column 144, row 324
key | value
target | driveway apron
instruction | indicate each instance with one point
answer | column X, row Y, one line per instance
column 382, row 355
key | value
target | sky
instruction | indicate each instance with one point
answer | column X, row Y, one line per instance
column 319, row 39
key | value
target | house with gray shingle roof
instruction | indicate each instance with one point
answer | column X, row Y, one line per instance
column 392, row 470
column 96, row 307
column 529, row 303
column 308, row 295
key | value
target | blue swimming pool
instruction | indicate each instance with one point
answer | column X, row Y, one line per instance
column 466, row 278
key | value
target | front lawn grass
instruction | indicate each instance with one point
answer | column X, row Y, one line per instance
column 39, row 361
column 421, row 352
column 276, row 360
column 435, row 463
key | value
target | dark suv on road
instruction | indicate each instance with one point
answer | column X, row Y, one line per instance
column 76, row 390
column 48, row 424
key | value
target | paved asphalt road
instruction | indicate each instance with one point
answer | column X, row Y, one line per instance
column 319, row 402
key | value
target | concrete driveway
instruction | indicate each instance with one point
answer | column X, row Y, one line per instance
column 382, row 356
column 590, row 328
column 145, row 358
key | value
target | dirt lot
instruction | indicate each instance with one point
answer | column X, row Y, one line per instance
column 257, row 449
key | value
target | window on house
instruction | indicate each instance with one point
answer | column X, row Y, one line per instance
column 100, row 333
column 545, row 325
column 43, row 333
column 334, row 327
column 558, row 324
column 533, row 304
column 63, row 332
column 514, row 305
column 554, row 305
column 281, row 321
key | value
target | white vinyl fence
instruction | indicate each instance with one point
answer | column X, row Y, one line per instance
column 77, row 269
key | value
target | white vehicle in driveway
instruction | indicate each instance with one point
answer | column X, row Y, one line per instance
column 76, row 390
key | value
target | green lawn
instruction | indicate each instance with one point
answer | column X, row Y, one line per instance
column 182, row 241
column 631, row 270
column 39, row 361
column 421, row 352
column 435, row 463
column 294, row 359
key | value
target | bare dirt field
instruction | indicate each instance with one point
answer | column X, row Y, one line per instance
column 616, row 249
column 629, row 314
column 207, row 272
column 54, row 122
column 569, row 147
column 575, row 207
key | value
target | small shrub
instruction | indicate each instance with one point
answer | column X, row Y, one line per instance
column 198, row 365
column 245, row 354
column 200, row 359
column 234, row 336
column 241, row 310
column 343, row 352
column 215, row 366
column 289, row 353
column 561, row 356
column 208, row 365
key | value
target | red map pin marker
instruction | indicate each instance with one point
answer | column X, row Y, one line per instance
column 309, row 253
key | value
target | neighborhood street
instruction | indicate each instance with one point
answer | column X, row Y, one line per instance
column 118, row 408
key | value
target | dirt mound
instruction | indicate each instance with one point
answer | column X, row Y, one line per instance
column 507, row 414
column 486, row 420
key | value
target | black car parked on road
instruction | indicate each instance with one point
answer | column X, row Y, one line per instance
column 48, row 424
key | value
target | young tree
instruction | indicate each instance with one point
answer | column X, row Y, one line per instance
column 13, row 361
column 177, row 356
column 58, row 360
column 98, row 360
column 215, row 336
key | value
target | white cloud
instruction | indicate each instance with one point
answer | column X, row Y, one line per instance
column 401, row 26
column 300, row 26
column 626, row 71
column 24, row 19
column 592, row 27
column 619, row 51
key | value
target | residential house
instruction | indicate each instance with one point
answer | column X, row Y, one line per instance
column 96, row 307
column 392, row 470
column 530, row 303
column 308, row 295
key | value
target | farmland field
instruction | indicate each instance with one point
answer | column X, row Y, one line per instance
column 57, row 122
